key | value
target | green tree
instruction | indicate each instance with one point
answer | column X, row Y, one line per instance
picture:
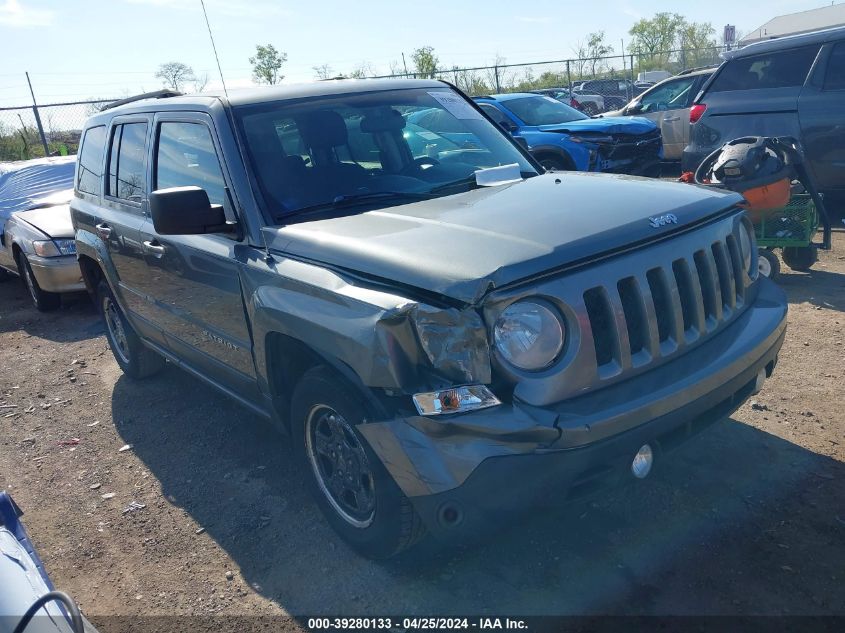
column 654, row 39
column 175, row 75
column 425, row 62
column 597, row 48
column 266, row 64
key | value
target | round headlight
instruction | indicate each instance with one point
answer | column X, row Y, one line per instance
column 746, row 244
column 529, row 335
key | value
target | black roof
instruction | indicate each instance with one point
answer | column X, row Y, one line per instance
column 163, row 100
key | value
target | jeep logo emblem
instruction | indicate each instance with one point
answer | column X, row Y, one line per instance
column 663, row 220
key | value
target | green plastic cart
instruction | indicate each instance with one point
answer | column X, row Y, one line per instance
column 790, row 229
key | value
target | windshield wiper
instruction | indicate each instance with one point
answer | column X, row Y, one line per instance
column 354, row 199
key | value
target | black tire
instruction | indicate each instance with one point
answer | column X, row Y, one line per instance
column 325, row 410
column 135, row 359
column 554, row 163
column 44, row 301
column 768, row 264
column 5, row 275
column 800, row 258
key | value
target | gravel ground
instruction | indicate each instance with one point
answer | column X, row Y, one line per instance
column 204, row 513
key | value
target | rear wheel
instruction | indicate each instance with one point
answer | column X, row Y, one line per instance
column 800, row 258
column 135, row 359
column 353, row 489
column 768, row 264
column 44, row 301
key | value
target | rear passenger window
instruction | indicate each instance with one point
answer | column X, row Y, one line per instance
column 186, row 156
column 90, row 160
column 127, row 176
column 781, row 69
column 834, row 78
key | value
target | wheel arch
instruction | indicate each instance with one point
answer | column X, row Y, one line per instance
column 550, row 151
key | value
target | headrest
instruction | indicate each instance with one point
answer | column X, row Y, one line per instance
column 322, row 129
column 389, row 121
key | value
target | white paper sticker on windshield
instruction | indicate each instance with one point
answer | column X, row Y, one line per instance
column 501, row 175
column 456, row 105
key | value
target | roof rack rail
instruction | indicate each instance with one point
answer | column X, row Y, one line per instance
column 697, row 68
column 481, row 97
column 155, row 94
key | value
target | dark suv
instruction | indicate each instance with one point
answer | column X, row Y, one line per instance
column 449, row 335
column 794, row 86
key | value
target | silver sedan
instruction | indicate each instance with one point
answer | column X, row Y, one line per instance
column 37, row 245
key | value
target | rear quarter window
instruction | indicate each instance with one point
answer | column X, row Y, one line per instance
column 90, row 160
column 777, row 69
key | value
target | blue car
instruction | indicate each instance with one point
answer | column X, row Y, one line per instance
column 562, row 138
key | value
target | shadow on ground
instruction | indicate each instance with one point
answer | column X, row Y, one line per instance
column 18, row 313
column 738, row 521
column 818, row 287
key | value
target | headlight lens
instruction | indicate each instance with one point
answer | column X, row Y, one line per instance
column 529, row 335
column 54, row 248
column 746, row 245
column 45, row 248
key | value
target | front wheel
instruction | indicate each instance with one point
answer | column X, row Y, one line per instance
column 768, row 264
column 44, row 301
column 353, row 489
column 800, row 258
column 135, row 359
column 554, row 163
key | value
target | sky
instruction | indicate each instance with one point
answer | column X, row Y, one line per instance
column 78, row 49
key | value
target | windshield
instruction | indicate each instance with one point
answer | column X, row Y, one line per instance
column 314, row 152
column 541, row 110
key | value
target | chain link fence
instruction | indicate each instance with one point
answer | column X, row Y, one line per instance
column 21, row 129
column 614, row 78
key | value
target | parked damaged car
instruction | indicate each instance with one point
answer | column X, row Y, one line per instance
column 36, row 235
column 562, row 138
column 450, row 338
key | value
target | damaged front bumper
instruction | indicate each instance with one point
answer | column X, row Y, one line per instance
column 465, row 472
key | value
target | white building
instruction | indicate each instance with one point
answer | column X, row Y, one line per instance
column 795, row 23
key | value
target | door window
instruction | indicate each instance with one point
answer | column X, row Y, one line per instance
column 494, row 113
column 781, row 69
column 834, row 78
column 186, row 156
column 127, row 153
column 668, row 96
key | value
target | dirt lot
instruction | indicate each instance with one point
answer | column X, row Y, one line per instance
column 750, row 519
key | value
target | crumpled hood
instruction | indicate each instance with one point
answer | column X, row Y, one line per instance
column 607, row 125
column 54, row 221
column 464, row 245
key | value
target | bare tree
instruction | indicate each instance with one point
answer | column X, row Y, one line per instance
column 175, row 75
column 324, row 71
column 200, row 82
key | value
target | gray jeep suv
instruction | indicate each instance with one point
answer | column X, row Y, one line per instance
column 792, row 86
column 448, row 334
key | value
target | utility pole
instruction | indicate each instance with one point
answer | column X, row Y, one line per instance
column 37, row 117
column 404, row 63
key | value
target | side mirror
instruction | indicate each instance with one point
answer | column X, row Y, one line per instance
column 521, row 142
column 634, row 108
column 186, row 211
column 509, row 126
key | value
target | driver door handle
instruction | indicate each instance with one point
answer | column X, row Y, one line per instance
column 103, row 230
column 154, row 248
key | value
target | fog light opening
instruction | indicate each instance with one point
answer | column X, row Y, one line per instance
column 450, row 515
column 643, row 460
